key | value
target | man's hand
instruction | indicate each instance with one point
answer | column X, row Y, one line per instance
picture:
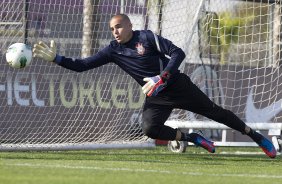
column 41, row 50
column 153, row 86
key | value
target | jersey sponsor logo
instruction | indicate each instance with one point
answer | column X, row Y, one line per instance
column 254, row 114
column 140, row 48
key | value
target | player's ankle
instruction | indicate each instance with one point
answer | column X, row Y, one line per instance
column 254, row 135
column 185, row 137
column 248, row 130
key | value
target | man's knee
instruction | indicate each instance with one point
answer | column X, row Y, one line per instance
column 149, row 130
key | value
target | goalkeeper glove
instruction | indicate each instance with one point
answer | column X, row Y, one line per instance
column 153, row 86
column 45, row 52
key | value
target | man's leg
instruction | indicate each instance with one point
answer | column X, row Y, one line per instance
column 196, row 101
column 154, row 117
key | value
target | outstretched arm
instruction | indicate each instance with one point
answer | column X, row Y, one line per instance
column 47, row 53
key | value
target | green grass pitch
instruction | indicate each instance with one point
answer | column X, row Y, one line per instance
column 138, row 166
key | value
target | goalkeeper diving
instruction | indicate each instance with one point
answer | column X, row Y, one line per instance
column 142, row 54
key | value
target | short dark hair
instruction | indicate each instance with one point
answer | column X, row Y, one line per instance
column 123, row 16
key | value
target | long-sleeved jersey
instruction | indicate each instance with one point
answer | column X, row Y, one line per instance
column 142, row 56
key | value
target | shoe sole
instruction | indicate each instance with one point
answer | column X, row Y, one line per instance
column 271, row 154
column 208, row 147
column 202, row 142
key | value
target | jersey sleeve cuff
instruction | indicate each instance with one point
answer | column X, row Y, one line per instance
column 58, row 59
column 165, row 75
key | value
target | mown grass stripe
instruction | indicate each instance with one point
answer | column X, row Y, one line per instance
column 143, row 170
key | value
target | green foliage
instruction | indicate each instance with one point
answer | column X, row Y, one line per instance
column 248, row 24
column 223, row 30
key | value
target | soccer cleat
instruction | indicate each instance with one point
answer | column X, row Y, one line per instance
column 203, row 142
column 266, row 146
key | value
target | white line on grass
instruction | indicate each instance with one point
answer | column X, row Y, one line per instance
column 144, row 170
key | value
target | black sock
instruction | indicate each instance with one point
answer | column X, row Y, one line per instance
column 188, row 137
column 184, row 137
column 254, row 135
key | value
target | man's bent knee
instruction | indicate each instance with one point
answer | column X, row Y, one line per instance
column 149, row 130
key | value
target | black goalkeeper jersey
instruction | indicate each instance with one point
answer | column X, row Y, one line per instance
column 145, row 55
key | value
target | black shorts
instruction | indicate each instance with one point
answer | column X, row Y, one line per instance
column 184, row 94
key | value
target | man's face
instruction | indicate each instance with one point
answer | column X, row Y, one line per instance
column 121, row 29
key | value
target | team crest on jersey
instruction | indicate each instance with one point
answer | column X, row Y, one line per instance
column 140, row 48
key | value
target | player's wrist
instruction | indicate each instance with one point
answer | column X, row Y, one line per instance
column 165, row 76
column 58, row 59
